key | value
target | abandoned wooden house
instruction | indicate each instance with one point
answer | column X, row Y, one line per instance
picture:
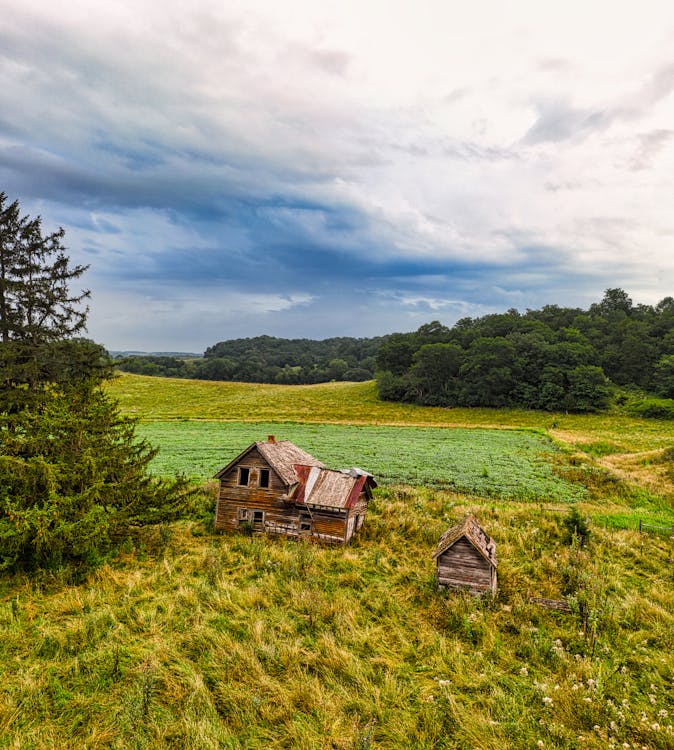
column 466, row 558
column 274, row 487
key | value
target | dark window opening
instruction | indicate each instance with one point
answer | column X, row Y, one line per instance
column 264, row 477
column 258, row 516
column 244, row 475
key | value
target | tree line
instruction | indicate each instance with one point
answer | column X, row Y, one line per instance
column 73, row 476
column 268, row 359
column 555, row 358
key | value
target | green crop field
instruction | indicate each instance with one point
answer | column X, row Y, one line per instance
column 492, row 463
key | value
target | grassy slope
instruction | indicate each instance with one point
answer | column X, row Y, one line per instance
column 163, row 399
column 202, row 641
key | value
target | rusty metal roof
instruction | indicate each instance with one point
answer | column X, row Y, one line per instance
column 281, row 455
column 330, row 488
column 471, row 530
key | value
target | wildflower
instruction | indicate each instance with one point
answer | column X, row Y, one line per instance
column 540, row 743
column 547, row 700
column 596, row 728
column 655, row 726
column 524, row 671
column 443, row 683
column 662, row 713
column 651, row 698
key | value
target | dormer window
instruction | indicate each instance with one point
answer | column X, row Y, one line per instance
column 244, row 476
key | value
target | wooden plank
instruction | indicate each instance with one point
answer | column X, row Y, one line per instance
column 554, row 604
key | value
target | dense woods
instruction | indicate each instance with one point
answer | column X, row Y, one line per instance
column 73, row 477
column 267, row 359
column 554, row 358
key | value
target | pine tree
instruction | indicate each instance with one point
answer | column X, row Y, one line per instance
column 73, row 476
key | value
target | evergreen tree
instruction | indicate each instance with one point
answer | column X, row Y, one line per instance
column 73, row 478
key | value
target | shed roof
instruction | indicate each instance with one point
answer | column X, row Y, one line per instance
column 471, row 530
column 330, row 488
column 281, row 455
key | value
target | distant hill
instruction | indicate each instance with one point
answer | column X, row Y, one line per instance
column 266, row 359
column 178, row 355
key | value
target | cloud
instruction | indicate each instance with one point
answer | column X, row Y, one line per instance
column 370, row 164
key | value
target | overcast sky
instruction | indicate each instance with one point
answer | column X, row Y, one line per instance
column 313, row 169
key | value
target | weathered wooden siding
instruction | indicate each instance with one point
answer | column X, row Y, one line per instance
column 233, row 496
column 356, row 516
column 462, row 566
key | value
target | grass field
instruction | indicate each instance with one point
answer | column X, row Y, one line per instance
column 187, row 639
column 209, row 642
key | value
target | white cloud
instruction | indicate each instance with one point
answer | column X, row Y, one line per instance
column 492, row 134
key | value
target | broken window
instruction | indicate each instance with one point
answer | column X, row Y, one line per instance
column 264, row 478
column 244, row 475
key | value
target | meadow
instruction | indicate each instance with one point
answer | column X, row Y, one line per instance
column 188, row 639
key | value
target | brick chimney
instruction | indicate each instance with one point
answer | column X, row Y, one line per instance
column 271, row 439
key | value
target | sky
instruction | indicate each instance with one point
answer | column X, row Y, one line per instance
column 314, row 169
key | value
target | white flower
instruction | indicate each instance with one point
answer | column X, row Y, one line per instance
column 547, row 700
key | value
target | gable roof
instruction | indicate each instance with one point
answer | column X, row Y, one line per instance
column 330, row 488
column 281, row 455
column 470, row 530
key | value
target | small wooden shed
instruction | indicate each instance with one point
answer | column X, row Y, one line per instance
column 465, row 558
column 275, row 487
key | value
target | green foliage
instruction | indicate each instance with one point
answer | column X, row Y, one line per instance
column 664, row 371
column 73, row 478
column 267, row 359
column 577, row 527
column 75, row 481
column 652, row 408
column 553, row 359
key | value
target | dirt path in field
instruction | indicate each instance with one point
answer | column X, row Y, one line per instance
column 641, row 469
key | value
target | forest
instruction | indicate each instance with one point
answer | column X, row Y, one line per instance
column 555, row 358
column 268, row 359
